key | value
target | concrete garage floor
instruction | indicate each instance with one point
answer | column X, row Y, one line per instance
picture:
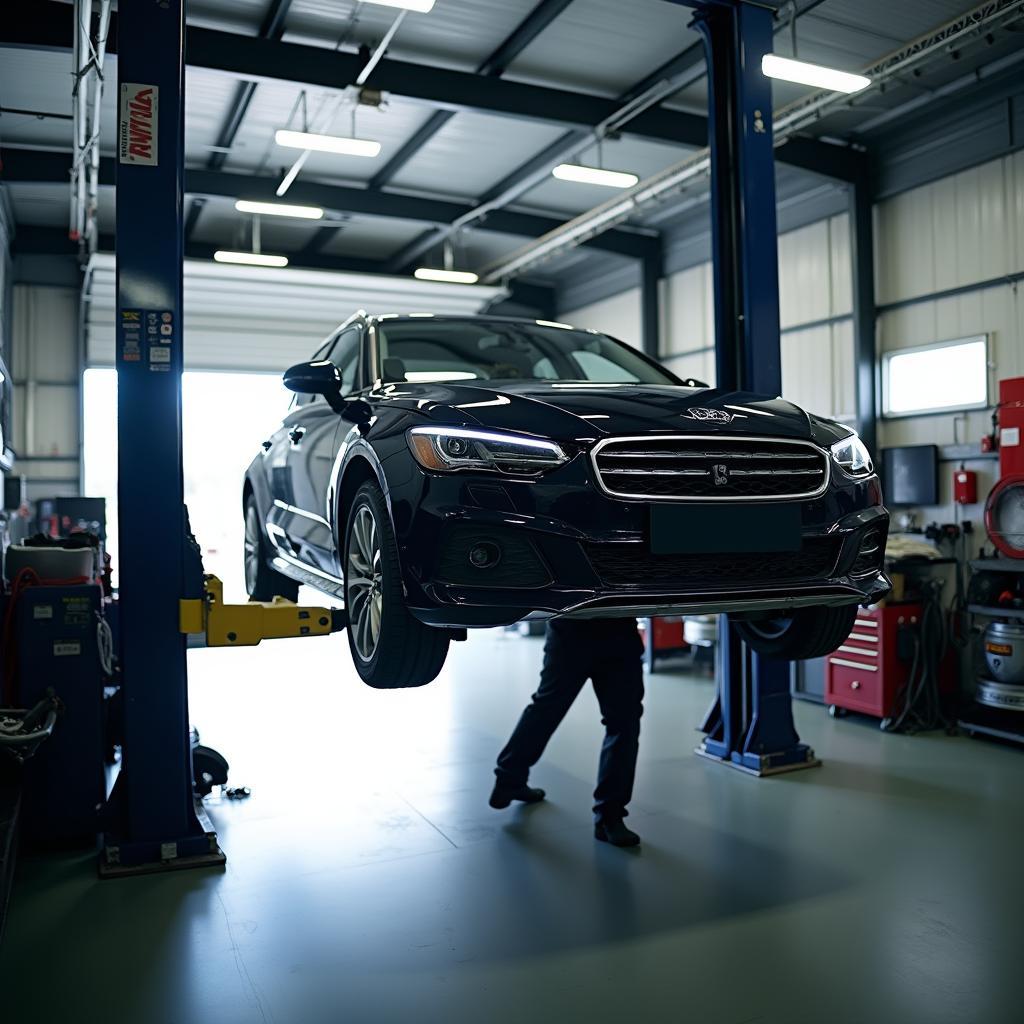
column 367, row 880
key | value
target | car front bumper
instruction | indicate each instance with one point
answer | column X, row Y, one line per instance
column 569, row 550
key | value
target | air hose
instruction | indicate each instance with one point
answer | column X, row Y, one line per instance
column 919, row 704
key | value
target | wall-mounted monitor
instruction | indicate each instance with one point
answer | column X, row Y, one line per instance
column 910, row 475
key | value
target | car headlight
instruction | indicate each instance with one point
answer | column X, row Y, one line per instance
column 852, row 454
column 447, row 449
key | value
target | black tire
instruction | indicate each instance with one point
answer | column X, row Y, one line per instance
column 403, row 652
column 261, row 582
column 806, row 633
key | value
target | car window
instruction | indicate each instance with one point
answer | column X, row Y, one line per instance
column 442, row 349
column 344, row 354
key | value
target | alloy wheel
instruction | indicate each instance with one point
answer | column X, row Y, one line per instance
column 252, row 548
column 364, row 581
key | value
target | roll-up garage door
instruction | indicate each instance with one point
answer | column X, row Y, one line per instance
column 252, row 318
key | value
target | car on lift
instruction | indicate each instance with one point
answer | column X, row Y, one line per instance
column 439, row 473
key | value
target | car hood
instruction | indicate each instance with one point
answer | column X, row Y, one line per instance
column 584, row 412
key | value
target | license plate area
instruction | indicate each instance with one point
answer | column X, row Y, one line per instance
column 724, row 529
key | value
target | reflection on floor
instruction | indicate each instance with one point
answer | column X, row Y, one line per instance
column 367, row 880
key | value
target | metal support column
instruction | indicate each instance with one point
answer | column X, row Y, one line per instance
column 651, row 273
column 153, row 821
column 863, row 263
column 750, row 726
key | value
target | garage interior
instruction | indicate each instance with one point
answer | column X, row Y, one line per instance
column 566, row 161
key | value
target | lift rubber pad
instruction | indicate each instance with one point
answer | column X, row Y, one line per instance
column 724, row 529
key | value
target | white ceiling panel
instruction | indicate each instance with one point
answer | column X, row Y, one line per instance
column 456, row 33
column 472, row 152
column 605, row 46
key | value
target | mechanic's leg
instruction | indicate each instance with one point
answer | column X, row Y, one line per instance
column 562, row 677
column 619, row 685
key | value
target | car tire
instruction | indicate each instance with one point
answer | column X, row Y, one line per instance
column 807, row 633
column 390, row 648
column 261, row 582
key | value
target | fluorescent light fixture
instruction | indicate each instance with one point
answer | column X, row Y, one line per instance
column 250, row 259
column 595, row 176
column 448, row 276
column 279, row 209
column 419, row 6
column 812, row 74
column 326, row 143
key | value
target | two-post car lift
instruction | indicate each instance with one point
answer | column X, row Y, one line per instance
column 154, row 821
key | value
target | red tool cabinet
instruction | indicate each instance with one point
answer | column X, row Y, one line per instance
column 866, row 673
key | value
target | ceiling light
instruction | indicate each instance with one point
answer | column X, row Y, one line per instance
column 595, row 176
column 812, row 74
column 250, row 259
column 419, row 6
column 326, row 143
column 279, row 209
column 448, row 276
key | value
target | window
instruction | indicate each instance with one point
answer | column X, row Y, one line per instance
column 933, row 378
column 345, row 356
column 437, row 349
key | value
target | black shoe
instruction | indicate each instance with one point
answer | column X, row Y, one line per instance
column 502, row 796
column 614, row 831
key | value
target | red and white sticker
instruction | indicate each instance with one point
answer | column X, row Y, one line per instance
column 139, row 122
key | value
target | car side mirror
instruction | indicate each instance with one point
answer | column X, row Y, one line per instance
column 356, row 411
column 320, row 377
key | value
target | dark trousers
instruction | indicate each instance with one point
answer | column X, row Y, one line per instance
column 608, row 652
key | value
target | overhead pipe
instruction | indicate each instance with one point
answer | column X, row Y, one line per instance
column 792, row 119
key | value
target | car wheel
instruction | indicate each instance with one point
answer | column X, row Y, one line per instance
column 261, row 582
column 390, row 648
column 807, row 633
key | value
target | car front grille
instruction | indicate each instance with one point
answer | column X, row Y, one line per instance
column 710, row 468
column 632, row 566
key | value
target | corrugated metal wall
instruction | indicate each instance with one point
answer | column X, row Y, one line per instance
column 815, row 285
column 44, row 364
column 951, row 234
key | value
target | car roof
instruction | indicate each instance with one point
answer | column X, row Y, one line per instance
column 485, row 317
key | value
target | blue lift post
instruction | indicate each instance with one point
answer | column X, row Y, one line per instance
column 153, row 822
column 750, row 726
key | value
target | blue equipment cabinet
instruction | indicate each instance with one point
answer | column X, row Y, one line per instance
column 58, row 629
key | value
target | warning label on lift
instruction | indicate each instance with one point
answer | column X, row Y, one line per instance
column 146, row 336
column 138, row 124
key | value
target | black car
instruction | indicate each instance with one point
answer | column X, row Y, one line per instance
column 439, row 473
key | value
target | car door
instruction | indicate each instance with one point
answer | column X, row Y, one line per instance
column 311, row 431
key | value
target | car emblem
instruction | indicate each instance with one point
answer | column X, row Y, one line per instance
column 720, row 474
column 709, row 415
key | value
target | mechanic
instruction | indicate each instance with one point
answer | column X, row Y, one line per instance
column 608, row 652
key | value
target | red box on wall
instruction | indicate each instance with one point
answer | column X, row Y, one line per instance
column 1011, row 426
column 866, row 673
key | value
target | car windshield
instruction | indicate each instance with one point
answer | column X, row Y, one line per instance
column 423, row 350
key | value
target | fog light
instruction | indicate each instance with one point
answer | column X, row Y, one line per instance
column 484, row 556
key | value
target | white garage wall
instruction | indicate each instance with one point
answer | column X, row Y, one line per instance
column 44, row 364
column 618, row 316
column 815, row 285
column 954, row 233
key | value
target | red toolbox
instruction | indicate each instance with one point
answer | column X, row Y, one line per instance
column 866, row 673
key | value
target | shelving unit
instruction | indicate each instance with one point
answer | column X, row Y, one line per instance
column 1000, row 723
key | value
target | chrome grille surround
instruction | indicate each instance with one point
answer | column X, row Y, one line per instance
column 669, row 458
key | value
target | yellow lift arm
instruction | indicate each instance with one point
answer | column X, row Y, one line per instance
column 245, row 625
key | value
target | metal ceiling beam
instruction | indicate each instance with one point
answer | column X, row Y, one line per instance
column 493, row 67
column 48, row 24
column 272, row 27
column 42, row 166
